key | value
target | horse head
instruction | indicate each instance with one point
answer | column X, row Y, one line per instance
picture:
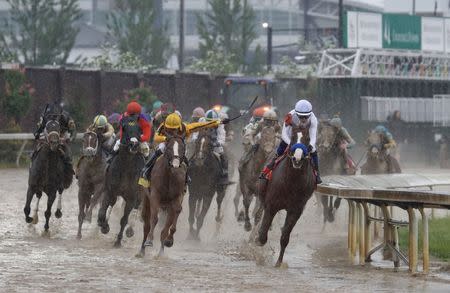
column 268, row 139
column 326, row 138
column 90, row 144
column 203, row 147
column 133, row 145
column 298, row 150
column 175, row 151
column 375, row 146
column 52, row 134
column 247, row 138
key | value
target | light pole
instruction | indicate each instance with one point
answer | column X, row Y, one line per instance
column 181, row 38
column 269, row 45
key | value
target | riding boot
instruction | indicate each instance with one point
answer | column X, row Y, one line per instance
column 224, row 180
column 315, row 159
column 143, row 180
column 269, row 167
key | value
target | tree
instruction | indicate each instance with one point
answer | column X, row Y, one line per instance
column 228, row 28
column 42, row 31
column 215, row 62
column 132, row 27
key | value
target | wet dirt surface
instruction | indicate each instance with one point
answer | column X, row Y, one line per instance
column 223, row 261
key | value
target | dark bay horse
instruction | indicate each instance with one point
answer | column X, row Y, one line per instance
column 291, row 186
column 250, row 170
column 121, row 179
column 331, row 149
column 91, row 175
column 204, row 171
column 379, row 161
column 47, row 174
column 167, row 188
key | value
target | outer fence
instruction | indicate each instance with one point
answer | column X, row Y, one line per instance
column 379, row 190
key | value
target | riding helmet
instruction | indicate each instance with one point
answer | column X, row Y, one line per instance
column 198, row 112
column 173, row 121
column 211, row 115
column 303, row 108
column 270, row 115
column 100, row 121
column 134, row 108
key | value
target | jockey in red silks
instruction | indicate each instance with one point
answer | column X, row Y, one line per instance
column 301, row 117
column 134, row 125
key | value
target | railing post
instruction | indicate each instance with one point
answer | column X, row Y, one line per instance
column 367, row 238
column 425, row 242
column 362, row 249
column 413, row 249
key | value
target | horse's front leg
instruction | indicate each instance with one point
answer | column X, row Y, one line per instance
column 192, row 211
column 27, row 207
column 176, row 208
column 291, row 220
column 123, row 222
column 219, row 199
column 58, row 213
column 102, row 220
column 51, row 198
column 265, row 226
column 247, row 200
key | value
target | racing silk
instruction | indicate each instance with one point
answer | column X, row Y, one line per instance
column 218, row 134
column 293, row 120
column 108, row 131
column 134, row 126
column 187, row 129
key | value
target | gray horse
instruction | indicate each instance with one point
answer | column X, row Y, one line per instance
column 250, row 169
column 91, row 175
column 204, row 171
column 122, row 177
column 48, row 174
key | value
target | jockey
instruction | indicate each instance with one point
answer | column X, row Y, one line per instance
column 346, row 141
column 134, row 125
column 303, row 117
column 56, row 112
column 258, row 114
column 387, row 140
column 197, row 113
column 104, row 131
column 114, row 120
column 173, row 126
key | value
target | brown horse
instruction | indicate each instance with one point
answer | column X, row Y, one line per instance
column 331, row 151
column 249, row 171
column 167, row 188
column 204, row 171
column 91, row 175
column 48, row 173
column 379, row 161
column 290, row 188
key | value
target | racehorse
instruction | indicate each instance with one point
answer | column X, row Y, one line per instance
column 168, row 179
column 249, row 170
column 204, row 170
column 331, row 149
column 121, row 178
column 378, row 160
column 291, row 185
column 91, row 175
column 48, row 173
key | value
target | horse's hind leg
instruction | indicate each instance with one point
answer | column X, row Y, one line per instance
column 27, row 207
column 219, row 199
column 176, row 208
column 58, row 213
column 291, row 220
column 146, row 217
column 51, row 198
column 102, row 220
column 82, row 202
column 239, row 215
column 123, row 222
column 247, row 200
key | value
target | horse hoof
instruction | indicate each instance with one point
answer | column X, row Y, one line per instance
column 79, row 236
column 219, row 219
column 58, row 214
column 140, row 254
column 28, row 219
column 168, row 242
column 278, row 264
column 105, row 229
column 117, row 244
column 35, row 220
column 260, row 241
column 247, row 226
column 129, row 232
column 148, row 243
column 240, row 217
column 46, row 227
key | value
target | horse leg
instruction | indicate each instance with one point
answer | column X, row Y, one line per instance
column 165, row 230
column 173, row 227
column 98, row 192
column 239, row 214
column 258, row 210
column 219, row 200
column 291, row 220
column 102, row 220
column 265, row 226
column 247, row 200
column 81, row 210
column 123, row 222
column 201, row 217
column 58, row 213
column 51, row 198
column 192, row 211
column 36, row 209
column 27, row 207
column 154, row 207
column 146, row 215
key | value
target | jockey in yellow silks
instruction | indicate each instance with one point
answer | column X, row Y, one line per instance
column 170, row 127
